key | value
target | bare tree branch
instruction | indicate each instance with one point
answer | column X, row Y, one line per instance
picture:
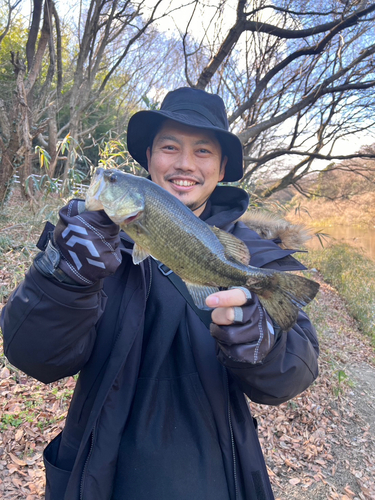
column 320, row 90
column 242, row 25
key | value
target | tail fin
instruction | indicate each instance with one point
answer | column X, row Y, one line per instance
column 286, row 295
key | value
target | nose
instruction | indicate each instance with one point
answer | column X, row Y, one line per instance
column 185, row 161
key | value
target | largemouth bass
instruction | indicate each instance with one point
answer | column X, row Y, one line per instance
column 205, row 257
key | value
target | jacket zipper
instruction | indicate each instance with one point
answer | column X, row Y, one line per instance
column 149, row 285
column 86, row 464
column 93, row 430
column 232, row 441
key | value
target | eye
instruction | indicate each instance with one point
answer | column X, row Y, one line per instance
column 110, row 176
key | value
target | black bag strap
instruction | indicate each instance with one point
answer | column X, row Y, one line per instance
column 205, row 316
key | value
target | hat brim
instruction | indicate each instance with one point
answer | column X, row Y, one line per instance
column 142, row 126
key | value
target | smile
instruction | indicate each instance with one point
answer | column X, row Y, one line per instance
column 183, row 183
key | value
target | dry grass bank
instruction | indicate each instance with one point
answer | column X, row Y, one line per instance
column 338, row 197
column 356, row 211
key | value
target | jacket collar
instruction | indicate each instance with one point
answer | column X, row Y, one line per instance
column 225, row 206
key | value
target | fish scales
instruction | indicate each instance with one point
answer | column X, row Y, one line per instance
column 191, row 250
column 204, row 257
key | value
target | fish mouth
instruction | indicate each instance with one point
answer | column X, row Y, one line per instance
column 96, row 187
column 125, row 220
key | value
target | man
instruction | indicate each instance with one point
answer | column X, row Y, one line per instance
column 159, row 410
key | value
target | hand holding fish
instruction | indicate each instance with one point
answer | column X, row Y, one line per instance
column 88, row 243
column 242, row 328
column 224, row 303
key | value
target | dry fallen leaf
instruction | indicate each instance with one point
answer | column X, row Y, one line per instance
column 294, row 481
column 4, row 373
column 17, row 460
column 18, row 435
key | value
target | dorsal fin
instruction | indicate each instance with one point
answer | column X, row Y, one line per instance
column 234, row 248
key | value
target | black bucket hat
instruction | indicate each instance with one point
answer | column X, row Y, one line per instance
column 193, row 107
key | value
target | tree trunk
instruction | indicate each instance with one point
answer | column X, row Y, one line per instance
column 22, row 156
column 15, row 142
column 52, row 139
column 6, row 169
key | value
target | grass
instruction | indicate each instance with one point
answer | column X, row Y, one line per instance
column 353, row 276
column 21, row 223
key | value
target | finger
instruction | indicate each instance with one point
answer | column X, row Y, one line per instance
column 227, row 298
column 223, row 316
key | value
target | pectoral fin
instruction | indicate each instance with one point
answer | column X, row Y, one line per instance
column 234, row 248
column 139, row 254
column 199, row 294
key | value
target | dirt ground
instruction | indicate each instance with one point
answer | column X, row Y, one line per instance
column 348, row 472
column 320, row 445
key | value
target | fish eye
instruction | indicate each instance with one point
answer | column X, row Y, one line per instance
column 112, row 177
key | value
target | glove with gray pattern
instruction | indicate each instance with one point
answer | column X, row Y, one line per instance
column 250, row 338
column 88, row 243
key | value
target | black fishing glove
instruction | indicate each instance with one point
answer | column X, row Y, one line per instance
column 84, row 246
column 252, row 335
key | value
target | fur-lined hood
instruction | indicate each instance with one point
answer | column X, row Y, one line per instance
column 230, row 203
column 272, row 227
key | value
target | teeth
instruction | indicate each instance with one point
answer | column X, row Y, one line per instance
column 184, row 183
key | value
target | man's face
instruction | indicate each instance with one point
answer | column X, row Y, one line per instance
column 187, row 162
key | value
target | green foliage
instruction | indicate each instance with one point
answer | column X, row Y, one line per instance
column 353, row 275
column 150, row 104
column 114, row 154
column 45, row 186
column 32, row 413
column 341, row 380
column 15, row 41
column 10, row 420
column 41, row 184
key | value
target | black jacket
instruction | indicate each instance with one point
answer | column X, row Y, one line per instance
column 53, row 330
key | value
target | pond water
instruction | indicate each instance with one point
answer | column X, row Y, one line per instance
column 361, row 238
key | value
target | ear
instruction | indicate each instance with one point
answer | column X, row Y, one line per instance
column 224, row 162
